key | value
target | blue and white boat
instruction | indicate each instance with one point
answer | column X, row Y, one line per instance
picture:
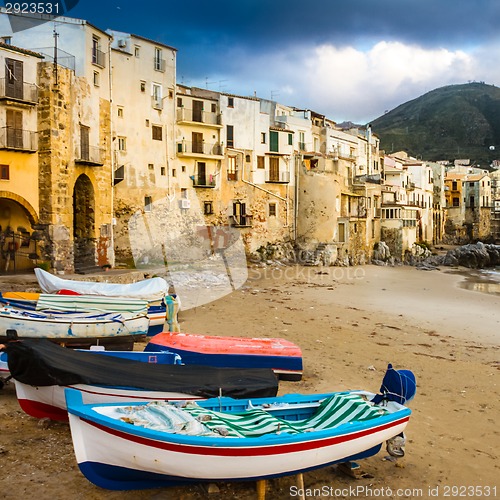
column 144, row 445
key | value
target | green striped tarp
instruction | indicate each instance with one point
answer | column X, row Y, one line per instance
column 332, row 412
column 79, row 303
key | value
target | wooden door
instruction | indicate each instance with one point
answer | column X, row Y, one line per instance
column 84, row 143
column 198, row 111
column 14, row 129
column 197, row 138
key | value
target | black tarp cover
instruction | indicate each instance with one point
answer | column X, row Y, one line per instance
column 43, row 363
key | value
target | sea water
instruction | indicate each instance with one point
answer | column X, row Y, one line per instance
column 482, row 280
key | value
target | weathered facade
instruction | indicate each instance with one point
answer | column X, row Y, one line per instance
column 74, row 145
column 143, row 137
column 19, row 194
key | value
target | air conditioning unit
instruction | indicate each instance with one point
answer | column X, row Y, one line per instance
column 185, row 203
column 122, row 43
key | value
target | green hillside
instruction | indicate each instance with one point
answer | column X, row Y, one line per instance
column 456, row 121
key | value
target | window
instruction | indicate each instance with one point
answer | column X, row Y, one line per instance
column 230, row 136
column 122, row 144
column 208, row 208
column 143, row 86
column 302, row 141
column 262, row 137
column 290, row 139
column 14, row 86
column 119, row 112
column 137, row 51
column 148, row 201
column 159, row 63
column 156, row 92
column 97, row 55
column 151, row 166
column 456, row 202
column 7, row 40
column 157, row 132
column 454, row 185
column 183, row 168
column 4, row 172
column 97, row 78
column 272, row 209
column 179, row 102
column 184, row 193
column 147, row 122
column 232, row 174
column 261, row 163
column 162, row 171
column 341, row 232
column 214, row 108
column 230, row 102
column 248, row 158
column 174, row 172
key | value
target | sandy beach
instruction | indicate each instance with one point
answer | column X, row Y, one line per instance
column 349, row 322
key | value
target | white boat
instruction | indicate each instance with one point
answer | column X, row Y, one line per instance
column 133, row 446
column 72, row 328
column 152, row 289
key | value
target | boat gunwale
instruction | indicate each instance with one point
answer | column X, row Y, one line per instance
column 88, row 414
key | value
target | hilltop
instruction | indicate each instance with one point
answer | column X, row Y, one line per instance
column 456, row 121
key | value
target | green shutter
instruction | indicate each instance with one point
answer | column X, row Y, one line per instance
column 273, row 139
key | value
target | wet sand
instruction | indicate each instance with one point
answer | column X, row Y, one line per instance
column 349, row 322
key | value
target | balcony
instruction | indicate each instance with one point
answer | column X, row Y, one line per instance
column 18, row 139
column 199, row 149
column 157, row 102
column 22, row 92
column 280, row 177
column 241, row 220
column 98, row 57
column 185, row 115
column 203, row 181
column 89, row 155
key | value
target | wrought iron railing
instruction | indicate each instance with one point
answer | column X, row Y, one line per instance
column 19, row 139
column 23, row 91
column 188, row 147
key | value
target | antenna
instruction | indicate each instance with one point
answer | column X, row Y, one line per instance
column 274, row 93
column 56, row 36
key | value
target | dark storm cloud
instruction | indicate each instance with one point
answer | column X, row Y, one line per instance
column 261, row 23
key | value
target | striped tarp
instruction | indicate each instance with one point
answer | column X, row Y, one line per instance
column 332, row 412
column 78, row 303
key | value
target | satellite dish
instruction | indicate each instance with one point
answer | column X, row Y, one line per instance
column 492, row 148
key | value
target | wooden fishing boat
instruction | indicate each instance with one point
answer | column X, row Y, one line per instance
column 146, row 445
column 282, row 356
column 162, row 315
column 73, row 329
column 42, row 370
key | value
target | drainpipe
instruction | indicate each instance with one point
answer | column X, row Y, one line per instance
column 113, row 163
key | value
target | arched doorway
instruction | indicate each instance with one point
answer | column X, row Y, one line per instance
column 19, row 249
column 84, row 223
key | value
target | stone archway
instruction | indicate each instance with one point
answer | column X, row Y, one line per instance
column 84, row 223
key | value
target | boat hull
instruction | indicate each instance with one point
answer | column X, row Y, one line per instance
column 121, row 456
column 74, row 331
column 282, row 356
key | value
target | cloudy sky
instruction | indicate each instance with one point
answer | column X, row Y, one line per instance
column 348, row 60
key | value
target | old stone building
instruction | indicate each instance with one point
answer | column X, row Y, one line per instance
column 74, row 143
